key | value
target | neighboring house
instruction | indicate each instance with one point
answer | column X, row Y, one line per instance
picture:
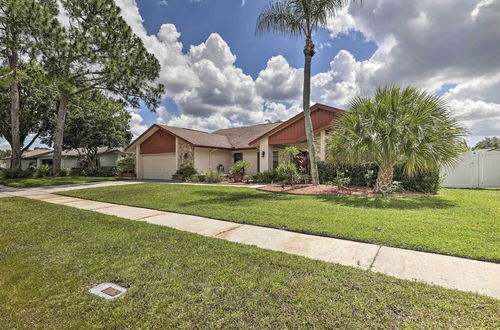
column 28, row 158
column 106, row 157
column 161, row 150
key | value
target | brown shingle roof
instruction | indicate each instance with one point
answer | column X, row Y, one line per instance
column 32, row 153
column 199, row 138
column 229, row 138
column 241, row 136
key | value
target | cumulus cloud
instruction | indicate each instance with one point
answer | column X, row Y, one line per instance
column 427, row 44
column 424, row 43
column 4, row 145
column 136, row 123
column 280, row 82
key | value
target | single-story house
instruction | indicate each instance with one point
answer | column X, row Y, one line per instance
column 106, row 157
column 28, row 158
column 161, row 150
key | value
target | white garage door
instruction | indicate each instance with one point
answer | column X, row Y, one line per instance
column 158, row 166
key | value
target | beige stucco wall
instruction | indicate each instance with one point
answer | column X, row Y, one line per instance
column 251, row 157
column 207, row 159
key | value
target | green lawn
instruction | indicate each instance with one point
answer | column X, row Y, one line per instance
column 53, row 181
column 457, row 222
column 50, row 255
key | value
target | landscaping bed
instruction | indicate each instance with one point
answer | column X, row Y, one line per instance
column 308, row 189
column 51, row 255
column 459, row 222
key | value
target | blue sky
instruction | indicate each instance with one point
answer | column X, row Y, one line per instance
column 235, row 23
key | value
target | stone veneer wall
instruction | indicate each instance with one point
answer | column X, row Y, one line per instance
column 185, row 148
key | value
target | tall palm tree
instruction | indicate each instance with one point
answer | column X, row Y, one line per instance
column 300, row 18
column 397, row 126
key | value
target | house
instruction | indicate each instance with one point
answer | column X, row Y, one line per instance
column 28, row 158
column 106, row 157
column 161, row 150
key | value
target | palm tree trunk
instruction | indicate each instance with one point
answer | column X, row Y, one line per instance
column 384, row 179
column 15, row 143
column 59, row 134
column 309, row 53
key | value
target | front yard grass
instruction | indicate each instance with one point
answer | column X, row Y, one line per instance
column 458, row 222
column 52, row 181
column 50, row 255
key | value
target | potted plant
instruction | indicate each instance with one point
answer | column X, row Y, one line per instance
column 238, row 169
column 125, row 166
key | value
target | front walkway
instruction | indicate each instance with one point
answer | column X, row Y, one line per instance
column 451, row 272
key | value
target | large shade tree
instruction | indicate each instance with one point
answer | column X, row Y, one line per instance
column 300, row 19
column 95, row 121
column 96, row 49
column 403, row 126
column 22, row 22
column 36, row 113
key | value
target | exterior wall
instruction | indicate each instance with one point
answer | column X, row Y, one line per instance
column 159, row 142
column 138, row 162
column 4, row 163
column 207, row 159
column 185, row 154
column 296, row 131
column 249, row 156
column 109, row 159
column 266, row 162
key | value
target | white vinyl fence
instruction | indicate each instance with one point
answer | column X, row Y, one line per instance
column 474, row 169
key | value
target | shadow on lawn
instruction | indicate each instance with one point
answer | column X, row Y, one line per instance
column 396, row 203
column 244, row 198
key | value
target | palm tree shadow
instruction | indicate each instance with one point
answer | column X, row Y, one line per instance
column 243, row 198
column 396, row 203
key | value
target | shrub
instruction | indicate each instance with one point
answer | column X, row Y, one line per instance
column 214, row 176
column 340, row 180
column 265, row 177
column 42, row 170
column 186, row 172
column 288, row 173
column 125, row 164
column 65, row 172
column 366, row 175
column 198, row 178
column 240, row 167
column 17, row 173
column 247, row 178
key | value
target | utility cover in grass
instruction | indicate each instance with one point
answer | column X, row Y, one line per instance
column 108, row 290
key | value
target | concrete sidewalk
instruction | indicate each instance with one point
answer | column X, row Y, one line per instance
column 450, row 272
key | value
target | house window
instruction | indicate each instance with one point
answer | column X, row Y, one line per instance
column 276, row 157
column 237, row 157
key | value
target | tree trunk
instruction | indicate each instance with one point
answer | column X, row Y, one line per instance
column 59, row 134
column 309, row 53
column 15, row 128
column 384, row 179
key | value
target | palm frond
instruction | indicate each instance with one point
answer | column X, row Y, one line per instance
column 283, row 17
column 399, row 125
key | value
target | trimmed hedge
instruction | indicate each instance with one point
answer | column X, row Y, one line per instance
column 425, row 182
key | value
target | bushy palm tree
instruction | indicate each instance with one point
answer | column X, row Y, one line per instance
column 300, row 18
column 397, row 126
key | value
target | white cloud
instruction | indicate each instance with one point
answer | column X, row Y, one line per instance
column 427, row 44
column 280, row 82
column 424, row 43
column 4, row 145
column 136, row 124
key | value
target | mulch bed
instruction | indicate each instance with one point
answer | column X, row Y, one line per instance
column 308, row 189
